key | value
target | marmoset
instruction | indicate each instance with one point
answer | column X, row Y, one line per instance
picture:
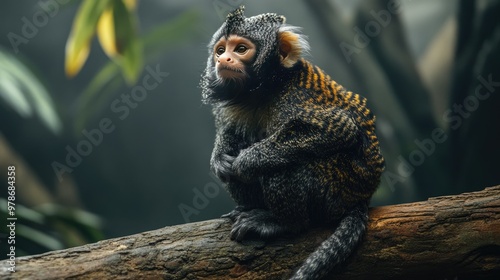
column 294, row 148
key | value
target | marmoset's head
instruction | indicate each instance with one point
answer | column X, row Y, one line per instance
column 246, row 54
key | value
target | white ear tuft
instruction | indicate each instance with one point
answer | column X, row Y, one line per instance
column 292, row 44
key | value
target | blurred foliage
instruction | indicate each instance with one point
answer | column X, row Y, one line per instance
column 107, row 80
column 48, row 226
column 23, row 92
column 54, row 226
column 116, row 27
column 51, row 227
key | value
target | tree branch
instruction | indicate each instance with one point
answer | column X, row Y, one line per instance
column 450, row 237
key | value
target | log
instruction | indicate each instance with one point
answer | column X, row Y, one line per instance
column 449, row 237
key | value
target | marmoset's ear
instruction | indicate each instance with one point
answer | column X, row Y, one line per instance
column 292, row 45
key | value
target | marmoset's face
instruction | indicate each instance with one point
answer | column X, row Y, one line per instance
column 232, row 56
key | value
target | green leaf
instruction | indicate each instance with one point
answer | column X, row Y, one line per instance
column 74, row 225
column 128, row 44
column 24, row 92
column 132, row 61
column 39, row 237
column 84, row 26
column 69, row 214
column 22, row 212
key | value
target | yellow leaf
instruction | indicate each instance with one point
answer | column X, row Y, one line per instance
column 82, row 31
column 75, row 56
column 106, row 33
column 130, row 4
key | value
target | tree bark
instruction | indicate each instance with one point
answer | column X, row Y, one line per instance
column 449, row 237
